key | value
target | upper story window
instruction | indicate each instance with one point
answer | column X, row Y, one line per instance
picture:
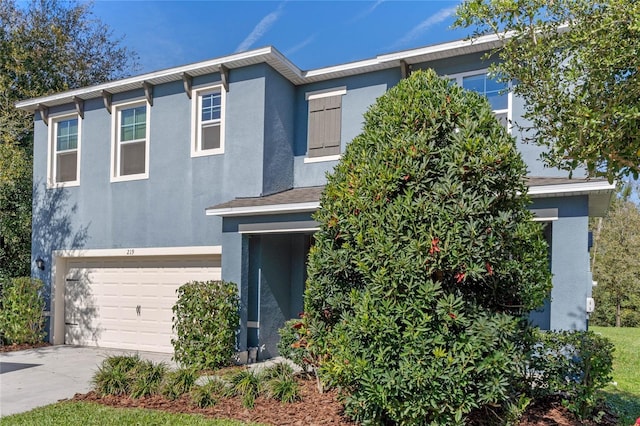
column 64, row 150
column 130, row 151
column 208, row 105
column 325, row 124
column 496, row 92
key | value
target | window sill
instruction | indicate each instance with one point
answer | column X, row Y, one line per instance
column 207, row 152
column 57, row 185
column 129, row 177
column 322, row 159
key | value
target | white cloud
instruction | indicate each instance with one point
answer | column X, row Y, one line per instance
column 300, row 45
column 260, row 29
column 423, row 26
column 368, row 11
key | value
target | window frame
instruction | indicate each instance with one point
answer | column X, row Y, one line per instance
column 197, row 123
column 52, row 151
column 116, row 142
column 458, row 77
column 317, row 94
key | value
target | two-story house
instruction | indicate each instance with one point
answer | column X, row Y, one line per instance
column 213, row 171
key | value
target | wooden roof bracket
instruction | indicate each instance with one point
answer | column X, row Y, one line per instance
column 187, row 81
column 79, row 102
column 44, row 113
column 148, row 91
column 107, row 98
column 224, row 76
column 405, row 69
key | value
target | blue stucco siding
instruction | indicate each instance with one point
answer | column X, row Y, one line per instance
column 278, row 133
column 457, row 64
column 277, row 273
column 569, row 262
column 244, row 134
column 168, row 208
column 235, row 268
column 531, row 153
column 362, row 92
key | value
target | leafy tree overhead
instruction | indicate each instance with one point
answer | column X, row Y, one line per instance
column 15, row 210
column 617, row 266
column 577, row 66
column 425, row 258
column 46, row 46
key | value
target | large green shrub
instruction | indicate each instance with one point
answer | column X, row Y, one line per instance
column 425, row 259
column 22, row 311
column 205, row 320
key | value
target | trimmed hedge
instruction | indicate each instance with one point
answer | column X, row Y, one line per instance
column 205, row 320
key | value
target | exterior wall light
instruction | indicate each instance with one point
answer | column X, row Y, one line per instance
column 40, row 263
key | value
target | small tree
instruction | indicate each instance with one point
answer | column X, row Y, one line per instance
column 617, row 266
column 46, row 46
column 205, row 320
column 425, row 258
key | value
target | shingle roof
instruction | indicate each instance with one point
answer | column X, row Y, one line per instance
column 292, row 196
column 312, row 193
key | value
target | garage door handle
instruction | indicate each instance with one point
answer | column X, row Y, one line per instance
column 138, row 308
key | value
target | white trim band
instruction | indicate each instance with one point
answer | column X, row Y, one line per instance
column 269, row 209
column 565, row 188
column 141, row 251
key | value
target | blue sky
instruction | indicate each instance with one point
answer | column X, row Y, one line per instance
column 311, row 34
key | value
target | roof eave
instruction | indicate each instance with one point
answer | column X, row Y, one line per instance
column 276, row 60
column 264, row 210
column 599, row 192
column 262, row 55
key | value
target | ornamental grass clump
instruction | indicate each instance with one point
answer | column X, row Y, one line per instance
column 113, row 376
column 426, row 260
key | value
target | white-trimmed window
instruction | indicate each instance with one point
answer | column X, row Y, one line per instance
column 208, row 110
column 496, row 92
column 325, row 124
column 64, row 150
column 130, row 142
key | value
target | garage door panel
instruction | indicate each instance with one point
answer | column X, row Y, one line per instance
column 102, row 297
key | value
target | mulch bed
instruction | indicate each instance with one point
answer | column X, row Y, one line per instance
column 314, row 409
column 22, row 347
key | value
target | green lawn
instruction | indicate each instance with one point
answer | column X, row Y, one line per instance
column 71, row 413
column 624, row 395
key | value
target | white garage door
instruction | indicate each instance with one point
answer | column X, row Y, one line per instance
column 126, row 302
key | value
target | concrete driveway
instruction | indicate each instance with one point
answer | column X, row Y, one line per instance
column 42, row 376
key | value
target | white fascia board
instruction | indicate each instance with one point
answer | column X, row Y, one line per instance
column 174, row 73
column 358, row 65
column 478, row 42
column 270, row 209
column 141, row 251
column 570, row 188
column 281, row 231
column 266, row 54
